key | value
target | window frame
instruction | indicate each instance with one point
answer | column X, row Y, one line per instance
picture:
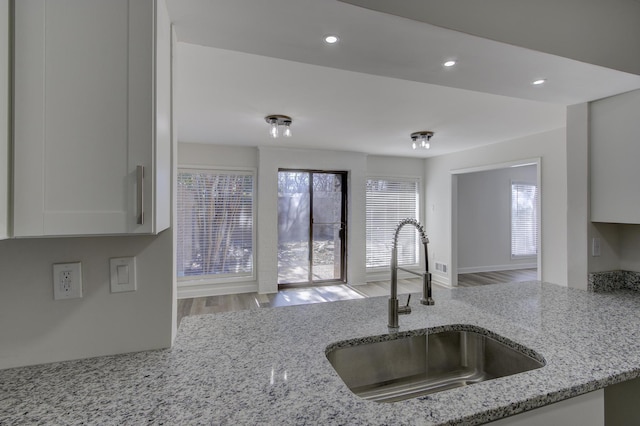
column 536, row 220
column 418, row 215
column 224, row 278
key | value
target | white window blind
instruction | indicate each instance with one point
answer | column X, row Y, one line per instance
column 388, row 202
column 524, row 221
column 215, row 223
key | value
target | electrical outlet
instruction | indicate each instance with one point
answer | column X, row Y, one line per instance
column 67, row 281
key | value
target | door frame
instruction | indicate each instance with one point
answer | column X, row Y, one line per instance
column 537, row 161
column 344, row 229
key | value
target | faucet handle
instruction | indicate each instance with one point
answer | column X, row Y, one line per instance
column 406, row 309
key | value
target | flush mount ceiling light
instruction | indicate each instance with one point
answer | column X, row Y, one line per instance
column 539, row 82
column 331, row 39
column 275, row 121
column 421, row 139
column 449, row 63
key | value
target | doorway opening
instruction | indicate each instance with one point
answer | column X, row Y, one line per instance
column 312, row 227
column 496, row 224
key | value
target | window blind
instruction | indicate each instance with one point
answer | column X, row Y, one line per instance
column 524, row 223
column 215, row 223
column 388, row 201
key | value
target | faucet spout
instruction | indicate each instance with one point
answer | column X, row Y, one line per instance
column 394, row 309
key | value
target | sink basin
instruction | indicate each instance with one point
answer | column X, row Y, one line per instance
column 421, row 362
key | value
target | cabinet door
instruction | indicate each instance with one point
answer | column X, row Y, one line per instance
column 84, row 117
column 4, row 119
column 583, row 410
column 614, row 153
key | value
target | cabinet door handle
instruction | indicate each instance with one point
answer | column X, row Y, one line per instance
column 140, row 194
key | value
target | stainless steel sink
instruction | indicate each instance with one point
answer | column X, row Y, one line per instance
column 422, row 362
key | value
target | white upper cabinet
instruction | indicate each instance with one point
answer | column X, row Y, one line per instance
column 614, row 137
column 4, row 119
column 92, row 117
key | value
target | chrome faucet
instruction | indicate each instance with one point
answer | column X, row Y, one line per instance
column 394, row 309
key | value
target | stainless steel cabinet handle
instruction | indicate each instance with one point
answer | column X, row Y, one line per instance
column 140, row 194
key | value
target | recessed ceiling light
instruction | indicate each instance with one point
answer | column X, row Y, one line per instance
column 449, row 63
column 331, row 39
column 539, row 82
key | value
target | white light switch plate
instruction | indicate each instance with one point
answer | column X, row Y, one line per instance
column 123, row 274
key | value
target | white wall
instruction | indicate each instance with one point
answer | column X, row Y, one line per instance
column 379, row 166
column 551, row 148
column 620, row 247
column 484, row 219
column 630, row 247
column 36, row 329
column 195, row 154
column 609, row 260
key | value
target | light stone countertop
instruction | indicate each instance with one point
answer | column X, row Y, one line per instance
column 268, row 366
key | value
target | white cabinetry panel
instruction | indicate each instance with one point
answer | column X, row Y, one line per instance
column 614, row 140
column 4, row 119
column 85, row 117
column 163, row 115
column 582, row 410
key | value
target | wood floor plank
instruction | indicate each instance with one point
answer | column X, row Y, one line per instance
column 184, row 308
column 306, row 295
column 494, row 277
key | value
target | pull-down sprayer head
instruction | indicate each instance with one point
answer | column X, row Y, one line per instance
column 416, row 224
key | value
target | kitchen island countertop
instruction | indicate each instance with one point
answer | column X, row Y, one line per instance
column 268, row 365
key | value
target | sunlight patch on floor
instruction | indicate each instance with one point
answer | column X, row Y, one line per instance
column 292, row 297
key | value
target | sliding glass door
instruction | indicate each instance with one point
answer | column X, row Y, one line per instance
column 311, row 227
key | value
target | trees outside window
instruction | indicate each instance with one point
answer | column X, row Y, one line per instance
column 215, row 235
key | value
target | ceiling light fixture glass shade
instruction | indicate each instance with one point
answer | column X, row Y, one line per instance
column 287, row 129
column 421, row 139
column 275, row 121
column 449, row 63
column 273, row 129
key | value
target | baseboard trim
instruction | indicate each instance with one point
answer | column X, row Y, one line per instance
column 494, row 268
column 386, row 276
column 221, row 289
column 441, row 280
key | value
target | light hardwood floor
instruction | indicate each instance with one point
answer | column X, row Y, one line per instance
column 483, row 278
column 300, row 296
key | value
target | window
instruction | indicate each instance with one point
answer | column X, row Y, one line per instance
column 215, row 224
column 388, row 202
column 524, row 220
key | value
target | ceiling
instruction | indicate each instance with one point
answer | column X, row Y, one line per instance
column 240, row 60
